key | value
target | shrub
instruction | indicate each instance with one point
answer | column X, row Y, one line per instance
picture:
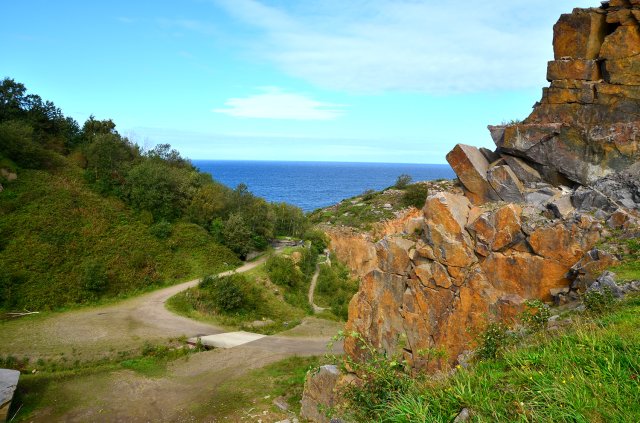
column 598, row 301
column 229, row 293
column 161, row 230
column 383, row 379
column 493, row 340
column 415, row 195
column 282, row 271
column 402, row 181
column 368, row 195
column 336, row 286
column 535, row 315
column 319, row 240
column 94, row 277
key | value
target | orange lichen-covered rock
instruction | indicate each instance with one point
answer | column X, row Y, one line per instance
column 579, row 34
column 471, row 167
column 624, row 42
column 576, row 69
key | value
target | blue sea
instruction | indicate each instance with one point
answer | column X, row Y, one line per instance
column 312, row 185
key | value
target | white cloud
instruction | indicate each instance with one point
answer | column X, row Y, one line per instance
column 126, row 20
column 406, row 45
column 274, row 103
column 192, row 25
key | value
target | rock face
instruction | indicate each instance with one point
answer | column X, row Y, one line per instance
column 472, row 264
column 586, row 125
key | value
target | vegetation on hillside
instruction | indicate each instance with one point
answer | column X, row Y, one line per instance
column 364, row 211
column 335, row 288
column 267, row 299
column 93, row 215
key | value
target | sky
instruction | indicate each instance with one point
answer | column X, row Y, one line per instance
column 397, row 81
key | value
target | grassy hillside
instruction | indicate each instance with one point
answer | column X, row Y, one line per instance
column 62, row 244
column 588, row 371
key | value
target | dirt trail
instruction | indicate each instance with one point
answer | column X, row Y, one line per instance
column 312, row 290
column 185, row 393
column 105, row 330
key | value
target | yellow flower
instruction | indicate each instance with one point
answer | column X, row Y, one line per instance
column 564, row 381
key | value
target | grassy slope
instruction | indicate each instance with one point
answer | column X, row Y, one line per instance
column 272, row 307
column 589, row 372
column 53, row 227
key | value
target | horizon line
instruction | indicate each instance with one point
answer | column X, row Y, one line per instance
column 315, row 161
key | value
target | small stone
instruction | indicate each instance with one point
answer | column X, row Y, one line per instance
column 463, row 416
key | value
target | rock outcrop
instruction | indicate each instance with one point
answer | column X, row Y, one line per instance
column 530, row 213
column 470, row 265
column 587, row 124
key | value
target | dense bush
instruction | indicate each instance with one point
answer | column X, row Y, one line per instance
column 319, row 240
column 384, row 378
column 535, row 315
column 598, row 301
column 415, row 195
column 94, row 278
column 336, row 288
column 495, row 338
column 283, row 271
column 229, row 294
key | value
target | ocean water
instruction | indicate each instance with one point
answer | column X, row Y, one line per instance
column 312, row 185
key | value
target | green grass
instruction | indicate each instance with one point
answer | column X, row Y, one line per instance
column 62, row 244
column 364, row 211
column 629, row 267
column 588, row 373
column 284, row 305
column 272, row 307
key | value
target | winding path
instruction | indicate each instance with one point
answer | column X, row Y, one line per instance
column 183, row 394
column 312, row 290
column 105, row 330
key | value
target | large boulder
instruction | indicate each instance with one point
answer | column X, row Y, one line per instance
column 8, row 385
column 320, row 393
column 471, row 167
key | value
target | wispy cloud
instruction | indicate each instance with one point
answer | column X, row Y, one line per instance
column 126, row 20
column 406, row 45
column 275, row 103
column 192, row 25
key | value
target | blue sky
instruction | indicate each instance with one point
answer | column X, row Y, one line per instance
column 331, row 80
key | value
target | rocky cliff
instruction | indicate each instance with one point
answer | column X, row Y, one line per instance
column 530, row 213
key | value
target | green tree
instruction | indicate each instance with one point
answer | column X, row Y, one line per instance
column 93, row 127
column 155, row 186
column 108, row 159
column 289, row 220
column 282, row 271
column 237, row 235
column 403, row 181
column 208, row 203
column 17, row 142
